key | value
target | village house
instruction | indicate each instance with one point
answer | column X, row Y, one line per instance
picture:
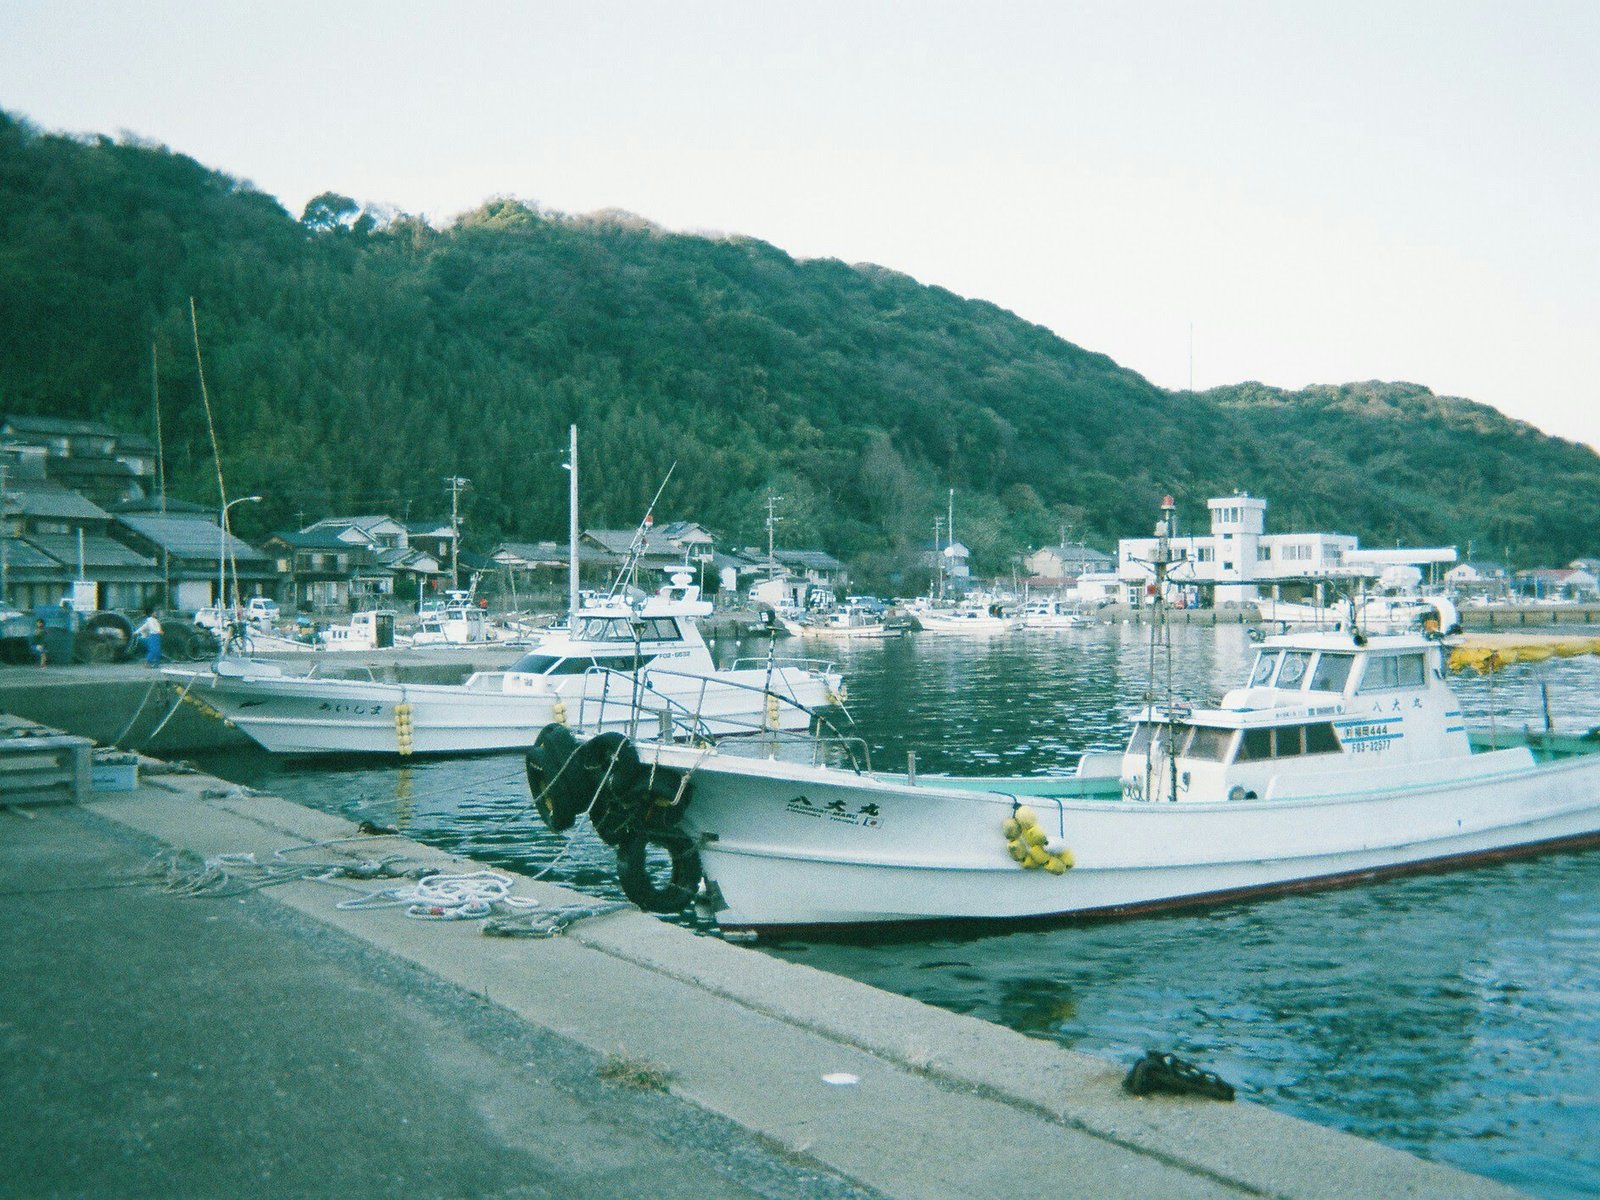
column 1477, row 578
column 87, row 457
column 92, row 567
column 1062, row 566
column 196, row 559
column 1558, row 583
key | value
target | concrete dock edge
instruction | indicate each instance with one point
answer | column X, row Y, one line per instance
column 945, row 1105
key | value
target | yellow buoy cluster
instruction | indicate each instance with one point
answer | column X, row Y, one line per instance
column 1031, row 846
column 558, row 712
column 1490, row 653
column 402, row 726
column 772, row 711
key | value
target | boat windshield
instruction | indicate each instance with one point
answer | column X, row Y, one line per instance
column 626, row 629
column 1390, row 671
column 1332, row 672
column 550, row 664
column 1207, row 742
column 1266, row 667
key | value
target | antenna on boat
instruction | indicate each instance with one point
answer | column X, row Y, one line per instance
column 641, row 537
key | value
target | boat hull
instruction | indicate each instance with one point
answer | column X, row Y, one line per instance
column 795, row 847
column 298, row 715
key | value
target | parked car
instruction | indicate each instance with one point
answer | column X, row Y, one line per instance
column 262, row 612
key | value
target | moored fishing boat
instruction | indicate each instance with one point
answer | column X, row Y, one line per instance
column 1340, row 758
column 1048, row 613
column 622, row 666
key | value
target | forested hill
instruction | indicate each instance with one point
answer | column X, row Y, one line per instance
column 355, row 359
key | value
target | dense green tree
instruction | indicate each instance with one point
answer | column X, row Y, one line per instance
column 355, row 359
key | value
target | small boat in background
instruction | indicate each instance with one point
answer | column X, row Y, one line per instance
column 970, row 616
column 1050, row 614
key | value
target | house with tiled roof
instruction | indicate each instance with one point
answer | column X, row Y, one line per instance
column 85, row 456
column 73, row 532
column 197, row 558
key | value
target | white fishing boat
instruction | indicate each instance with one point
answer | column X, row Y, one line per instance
column 454, row 621
column 970, row 616
column 623, row 666
column 848, row 623
column 1050, row 613
column 1340, row 758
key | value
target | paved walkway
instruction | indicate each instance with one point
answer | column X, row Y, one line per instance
column 273, row 1045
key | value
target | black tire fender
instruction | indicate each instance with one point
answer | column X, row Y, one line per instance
column 558, row 786
column 633, row 870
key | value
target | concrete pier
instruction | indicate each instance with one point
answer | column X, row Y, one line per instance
column 271, row 1044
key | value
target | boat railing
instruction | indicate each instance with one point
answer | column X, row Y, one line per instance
column 655, row 715
column 818, row 666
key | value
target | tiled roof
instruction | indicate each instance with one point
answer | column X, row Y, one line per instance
column 43, row 499
column 190, row 537
column 98, row 551
column 313, row 539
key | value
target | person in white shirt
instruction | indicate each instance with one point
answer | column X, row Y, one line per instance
column 149, row 635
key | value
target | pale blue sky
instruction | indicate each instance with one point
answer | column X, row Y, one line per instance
column 1328, row 192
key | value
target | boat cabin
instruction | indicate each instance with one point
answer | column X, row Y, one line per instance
column 1312, row 705
column 618, row 636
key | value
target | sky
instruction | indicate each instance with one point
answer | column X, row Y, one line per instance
column 1209, row 193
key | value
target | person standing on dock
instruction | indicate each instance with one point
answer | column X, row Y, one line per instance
column 149, row 635
column 40, row 653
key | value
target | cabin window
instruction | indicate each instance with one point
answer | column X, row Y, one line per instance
column 1294, row 667
column 1207, row 742
column 1393, row 671
column 658, row 629
column 1332, row 672
column 570, row 666
column 1150, row 737
column 1320, row 739
column 1288, row 741
column 1257, row 744
column 1266, row 665
column 550, row 664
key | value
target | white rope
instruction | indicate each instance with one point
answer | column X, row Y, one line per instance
column 447, row 897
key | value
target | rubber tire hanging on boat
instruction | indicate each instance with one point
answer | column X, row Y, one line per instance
column 633, row 870
column 560, row 789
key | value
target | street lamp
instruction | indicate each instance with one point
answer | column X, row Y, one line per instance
column 222, row 552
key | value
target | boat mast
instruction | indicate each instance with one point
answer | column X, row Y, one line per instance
column 1161, row 636
column 572, row 527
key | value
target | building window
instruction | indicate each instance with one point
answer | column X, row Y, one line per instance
column 1206, row 554
column 1263, row 553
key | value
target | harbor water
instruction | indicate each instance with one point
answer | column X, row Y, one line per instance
column 1453, row 1015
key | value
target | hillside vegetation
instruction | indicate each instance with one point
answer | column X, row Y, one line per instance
column 355, row 359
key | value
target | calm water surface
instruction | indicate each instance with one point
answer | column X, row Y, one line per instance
column 1455, row 1016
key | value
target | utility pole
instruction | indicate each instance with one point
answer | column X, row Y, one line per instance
column 456, row 483
column 772, row 525
column 938, row 554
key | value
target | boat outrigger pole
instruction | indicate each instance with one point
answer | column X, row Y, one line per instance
column 641, row 535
